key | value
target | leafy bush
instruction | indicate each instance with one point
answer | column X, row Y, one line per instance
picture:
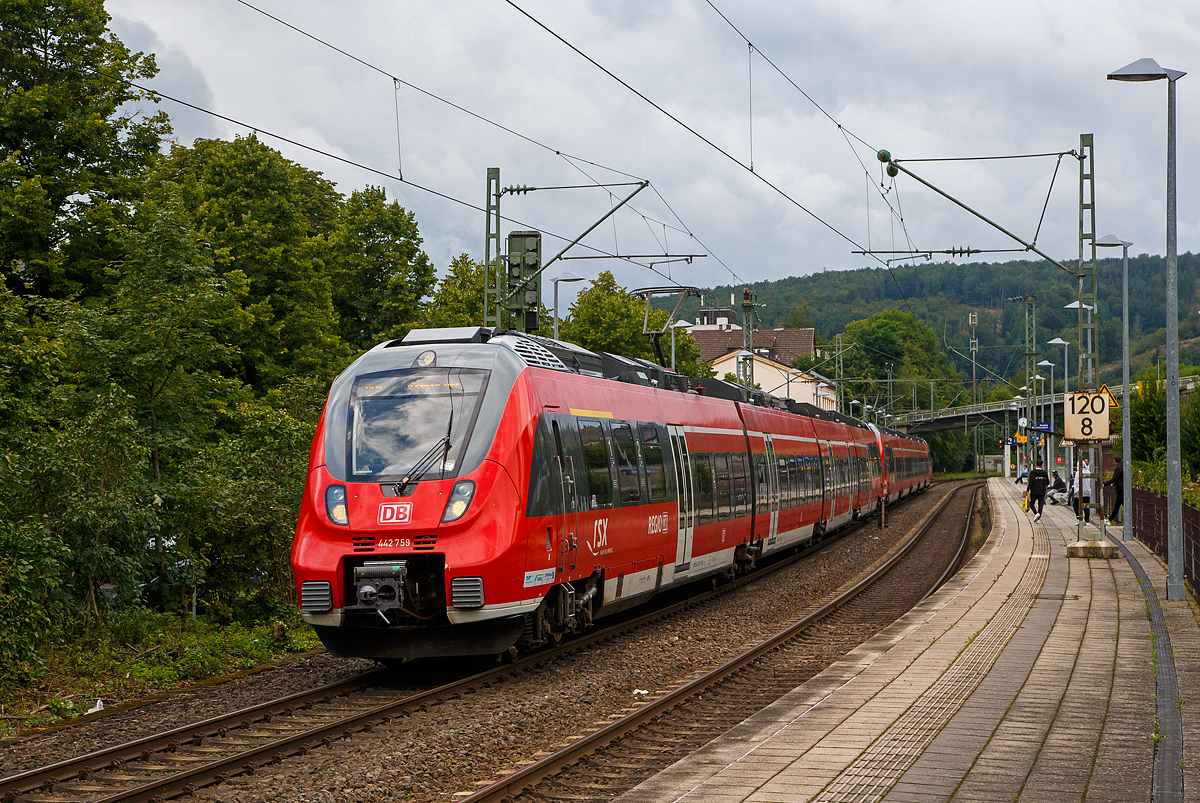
column 30, row 577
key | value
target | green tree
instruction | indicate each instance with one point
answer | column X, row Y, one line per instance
column 1189, row 434
column 159, row 335
column 381, row 274
column 605, row 317
column 458, row 297
column 72, row 147
column 269, row 219
column 1148, row 417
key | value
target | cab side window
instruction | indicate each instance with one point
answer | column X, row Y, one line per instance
column 595, row 455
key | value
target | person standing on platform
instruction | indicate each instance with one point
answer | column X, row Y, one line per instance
column 1118, row 490
column 1038, row 482
column 1083, row 491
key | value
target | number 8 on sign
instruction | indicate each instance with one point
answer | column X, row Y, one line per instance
column 1086, row 417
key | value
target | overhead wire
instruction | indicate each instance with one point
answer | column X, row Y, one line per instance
column 397, row 81
column 683, row 125
column 344, row 160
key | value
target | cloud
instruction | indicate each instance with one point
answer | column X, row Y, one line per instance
column 923, row 78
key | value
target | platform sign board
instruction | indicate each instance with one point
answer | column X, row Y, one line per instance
column 1044, row 426
column 1086, row 416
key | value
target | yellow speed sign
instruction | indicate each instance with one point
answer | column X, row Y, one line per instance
column 1086, row 416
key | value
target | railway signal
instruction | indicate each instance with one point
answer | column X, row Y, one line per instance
column 525, row 277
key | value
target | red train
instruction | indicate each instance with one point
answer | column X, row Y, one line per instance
column 471, row 492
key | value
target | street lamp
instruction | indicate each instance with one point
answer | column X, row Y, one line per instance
column 674, row 326
column 1148, row 70
column 788, row 378
column 1109, row 241
column 1068, row 453
column 853, row 402
column 565, row 276
column 1050, row 435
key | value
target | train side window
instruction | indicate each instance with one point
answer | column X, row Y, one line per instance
column 785, row 481
column 741, row 485
column 762, row 486
column 545, row 479
column 702, row 463
column 724, row 480
column 652, row 456
column 595, row 456
column 628, row 478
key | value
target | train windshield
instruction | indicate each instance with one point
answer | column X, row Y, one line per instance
column 412, row 423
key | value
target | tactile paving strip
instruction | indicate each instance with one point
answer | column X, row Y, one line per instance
column 883, row 763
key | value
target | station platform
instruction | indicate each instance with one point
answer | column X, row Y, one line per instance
column 1027, row 677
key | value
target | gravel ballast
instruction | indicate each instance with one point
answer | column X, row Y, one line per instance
column 467, row 743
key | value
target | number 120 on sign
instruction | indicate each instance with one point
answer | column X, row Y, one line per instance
column 1086, row 417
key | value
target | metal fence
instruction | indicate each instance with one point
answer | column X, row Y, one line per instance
column 1150, row 527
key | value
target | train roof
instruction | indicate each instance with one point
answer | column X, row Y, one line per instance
column 558, row 355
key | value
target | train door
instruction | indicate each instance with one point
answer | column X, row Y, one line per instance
column 772, row 477
column 568, row 516
column 687, row 502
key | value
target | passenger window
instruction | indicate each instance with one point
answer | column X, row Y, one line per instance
column 656, row 478
column 704, row 487
column 595, row 455
column 724, row 477
column 741, row 485
column 628, row 480
column 785, row 482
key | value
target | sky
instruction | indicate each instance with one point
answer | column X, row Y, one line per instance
column 922, row 79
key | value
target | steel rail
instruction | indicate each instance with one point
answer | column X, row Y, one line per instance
column 526, row 777
column 83, row 767
column 963, row 544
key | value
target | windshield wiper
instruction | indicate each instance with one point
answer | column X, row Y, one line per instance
column 423, row 463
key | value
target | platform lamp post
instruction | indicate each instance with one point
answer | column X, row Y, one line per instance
column 1149, row 70
column 788, row 378
column 1109, row 241
column 851, row 404
column 565, row 276
column 674, row 326
column 1067, row 454
column 1050, row 435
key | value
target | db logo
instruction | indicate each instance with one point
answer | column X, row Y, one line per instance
column 395, row 513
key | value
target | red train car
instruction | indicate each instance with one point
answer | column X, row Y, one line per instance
column 471, row 491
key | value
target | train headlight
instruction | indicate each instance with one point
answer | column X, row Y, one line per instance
column 460, row 500
column 335, row 504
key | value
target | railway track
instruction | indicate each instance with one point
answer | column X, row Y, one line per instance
column 616, row 758
column 188, row 758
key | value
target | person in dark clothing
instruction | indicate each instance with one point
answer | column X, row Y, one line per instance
column 1057, row 486
column 1039, row 481
column 1117, row 483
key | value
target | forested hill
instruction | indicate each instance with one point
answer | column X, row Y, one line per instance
column 943, row 294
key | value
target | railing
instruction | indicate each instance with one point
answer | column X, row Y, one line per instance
column 917, row 416
column 1150, row 527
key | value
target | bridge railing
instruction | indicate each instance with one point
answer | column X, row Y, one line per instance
column 918, row 416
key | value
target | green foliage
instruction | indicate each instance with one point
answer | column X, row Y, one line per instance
column 72, row 149
column 380, row 273
column 241, row 511
column 605, row 317
column 1189, row 434
column 1148, row 418
column 268, row 221
column 458, row 298
column 31, row 571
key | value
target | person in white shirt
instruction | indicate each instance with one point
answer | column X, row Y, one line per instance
column 1084, row 476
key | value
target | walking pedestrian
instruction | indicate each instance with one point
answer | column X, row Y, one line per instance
column 1117, row 482
column 1038, row 482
